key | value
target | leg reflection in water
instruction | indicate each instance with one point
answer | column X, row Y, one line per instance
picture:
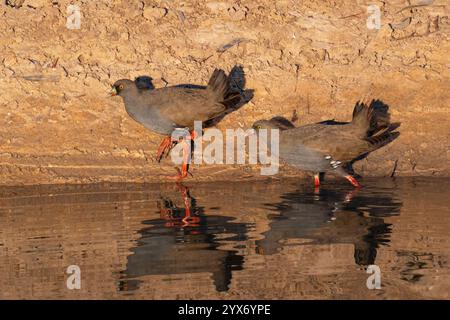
column 185, row 240
column 331, row 216
column 179, row 217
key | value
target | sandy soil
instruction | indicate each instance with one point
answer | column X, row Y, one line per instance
column 58, row 125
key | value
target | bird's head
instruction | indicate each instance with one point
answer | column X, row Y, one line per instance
column 262, row 124
column 277, row 122
column 122, row 86
column 265, row 124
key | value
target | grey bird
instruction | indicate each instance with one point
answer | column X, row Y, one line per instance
column 165, row 109
column 329, row 146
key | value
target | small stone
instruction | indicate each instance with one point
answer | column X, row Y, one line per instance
column 35, row 3
column 237, row 13
column 15, row 3
column 82, row 59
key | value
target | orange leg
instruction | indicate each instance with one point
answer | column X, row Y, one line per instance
column 164, row 148
column 317, row 180
column 188, row 220
column 193, row 134
column 186, row 157
column 353, row 181
column 166, row 145
column 185, row 165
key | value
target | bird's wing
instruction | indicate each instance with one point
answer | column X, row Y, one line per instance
column 183, row 106
column 295, row 153
column 325, row 140
column 309, row 131
column 342, row 147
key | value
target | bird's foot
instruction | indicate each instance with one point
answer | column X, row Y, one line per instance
column 185, row 164
column 183, row 173
column 191, row 221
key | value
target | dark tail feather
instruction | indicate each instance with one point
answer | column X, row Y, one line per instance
column 219, row 84
column 232, row 99
column 371, row 119
column 382, row 138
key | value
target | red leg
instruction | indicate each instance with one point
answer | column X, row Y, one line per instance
column 193, row 134
column 353, row 181
column 163, row 148
column 186, row 156
column 317, row 180
column 184, row 167
column 188, row 220
column 187, row 208
column 166, row 145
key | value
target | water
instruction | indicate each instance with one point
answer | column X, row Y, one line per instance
column 246, row 240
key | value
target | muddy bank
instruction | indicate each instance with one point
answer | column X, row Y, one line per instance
column 57, row 124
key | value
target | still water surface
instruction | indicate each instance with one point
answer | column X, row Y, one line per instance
column 246, row 240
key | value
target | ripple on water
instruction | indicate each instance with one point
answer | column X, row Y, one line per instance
column 227, row 240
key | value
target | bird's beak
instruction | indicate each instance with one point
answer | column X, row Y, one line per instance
column 113, row 92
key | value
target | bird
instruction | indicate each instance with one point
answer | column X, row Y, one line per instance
column 163, row 110
column 330, row 146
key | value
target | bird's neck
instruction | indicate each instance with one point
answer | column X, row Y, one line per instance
column 133, row 103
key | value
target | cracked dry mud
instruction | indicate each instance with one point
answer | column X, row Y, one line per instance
column 58, row 125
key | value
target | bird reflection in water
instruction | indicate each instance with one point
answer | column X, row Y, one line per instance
column 184, row 241
column 331, row 216
column 187, row 240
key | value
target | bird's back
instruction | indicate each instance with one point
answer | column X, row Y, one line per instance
column 310, row 147
column 164, row 109
column 324, row 146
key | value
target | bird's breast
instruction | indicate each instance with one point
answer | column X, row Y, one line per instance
column 150, row 119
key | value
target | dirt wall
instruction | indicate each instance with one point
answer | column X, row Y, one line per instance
column 58, row 124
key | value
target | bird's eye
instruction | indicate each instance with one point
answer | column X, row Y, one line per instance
column 121, row 87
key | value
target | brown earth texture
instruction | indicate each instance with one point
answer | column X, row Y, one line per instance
column 318, row 57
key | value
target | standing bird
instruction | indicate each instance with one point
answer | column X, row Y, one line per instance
column 327, row 146
column 164, row 110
